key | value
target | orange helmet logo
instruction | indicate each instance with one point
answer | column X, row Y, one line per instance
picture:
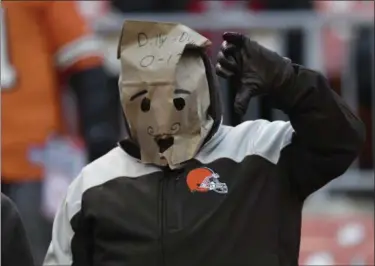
column 204, row 179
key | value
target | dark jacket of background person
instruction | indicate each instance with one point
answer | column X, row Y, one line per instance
column 364, row 78
column 15, row 249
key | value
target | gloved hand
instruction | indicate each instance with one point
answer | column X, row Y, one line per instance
column 255, row 69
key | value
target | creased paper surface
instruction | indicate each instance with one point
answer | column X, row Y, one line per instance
column 153, row 80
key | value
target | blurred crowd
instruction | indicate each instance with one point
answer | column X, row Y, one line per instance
column 60, row 107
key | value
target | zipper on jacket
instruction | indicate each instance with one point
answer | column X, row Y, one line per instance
column 163, row 183
column 167, row 206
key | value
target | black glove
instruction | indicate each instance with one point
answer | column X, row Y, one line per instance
column 255, row 69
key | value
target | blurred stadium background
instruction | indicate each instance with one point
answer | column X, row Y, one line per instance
column 335, row 37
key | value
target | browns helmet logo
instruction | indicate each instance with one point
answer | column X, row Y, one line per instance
column 204, row 179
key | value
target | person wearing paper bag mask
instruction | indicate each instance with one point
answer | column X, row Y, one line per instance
column 184, row 189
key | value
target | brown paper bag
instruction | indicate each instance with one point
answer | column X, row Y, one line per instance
column 153, row 76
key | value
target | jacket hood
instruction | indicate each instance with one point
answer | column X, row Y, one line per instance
column 130, row 146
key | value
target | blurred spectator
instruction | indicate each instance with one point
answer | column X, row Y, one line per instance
column 42, row 43
column 364, row 75
column 15, row 249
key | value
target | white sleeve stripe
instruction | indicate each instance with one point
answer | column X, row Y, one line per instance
column 59, row 251
column 76, row 50
column 259, row 137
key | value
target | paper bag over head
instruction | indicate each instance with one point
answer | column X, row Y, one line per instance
column 150, row 53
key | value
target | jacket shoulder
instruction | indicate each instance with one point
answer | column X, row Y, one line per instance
column 256, row 137
column 114, row 164
column 117, row 163
column 7, row 206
